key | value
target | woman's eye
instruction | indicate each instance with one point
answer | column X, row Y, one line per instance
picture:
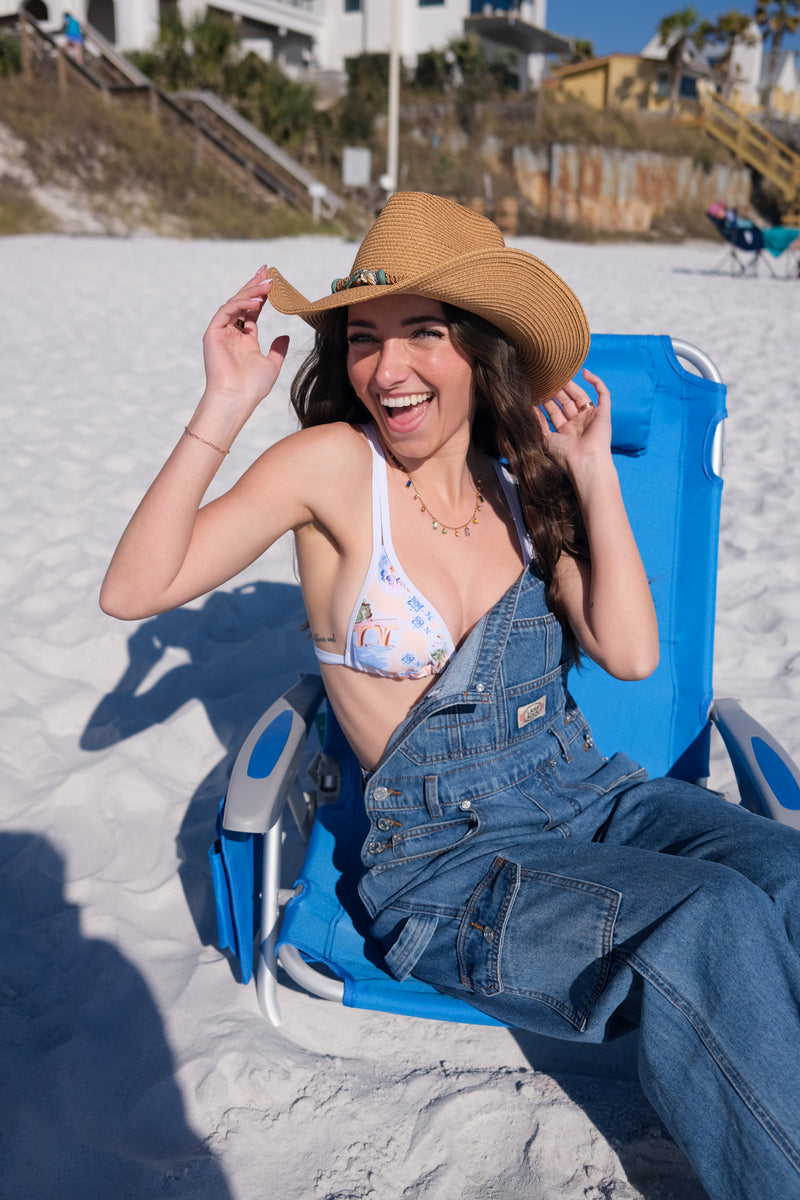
column 365, row 338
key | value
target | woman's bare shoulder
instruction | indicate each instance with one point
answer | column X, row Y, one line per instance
column 318, row 451
column 337, row 438
column 337, row 445
column 312, row 467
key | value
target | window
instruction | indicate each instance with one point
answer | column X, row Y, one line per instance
column 429, row 3
column 352, row 6
column 663, row 84
column 102, row 16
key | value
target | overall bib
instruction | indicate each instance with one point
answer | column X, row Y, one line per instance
column 509, row 863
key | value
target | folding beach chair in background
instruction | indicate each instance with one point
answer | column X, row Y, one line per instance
column 750, row 245
column 668, row 425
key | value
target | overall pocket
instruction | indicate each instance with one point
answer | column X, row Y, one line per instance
column 434, row 837
column 541, row 935
column 390, row 845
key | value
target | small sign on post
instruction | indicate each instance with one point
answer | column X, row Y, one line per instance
column 356, row 166
column 317, row 192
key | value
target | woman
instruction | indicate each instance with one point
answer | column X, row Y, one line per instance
column 507, row 861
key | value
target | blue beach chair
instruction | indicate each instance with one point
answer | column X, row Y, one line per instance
column 667, row 441
column 750, row 245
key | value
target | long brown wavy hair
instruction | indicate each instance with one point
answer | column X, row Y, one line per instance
column 505, row 427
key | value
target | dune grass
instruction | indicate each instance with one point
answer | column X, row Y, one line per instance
column 128, row 171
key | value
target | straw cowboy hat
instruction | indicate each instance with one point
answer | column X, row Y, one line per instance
column 426, row 246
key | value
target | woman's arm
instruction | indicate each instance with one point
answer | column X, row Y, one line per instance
column 172, row 550
column 607, row 600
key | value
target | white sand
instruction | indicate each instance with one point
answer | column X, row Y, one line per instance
column 132, row 1063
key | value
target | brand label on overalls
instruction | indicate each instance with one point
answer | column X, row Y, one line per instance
column 531, row 712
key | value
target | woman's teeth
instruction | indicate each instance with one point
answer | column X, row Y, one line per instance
column 404, row 401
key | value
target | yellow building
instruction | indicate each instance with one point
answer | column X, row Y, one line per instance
column 625, row 81
column 637, row 81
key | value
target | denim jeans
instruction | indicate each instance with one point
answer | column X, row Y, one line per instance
column 510, row 864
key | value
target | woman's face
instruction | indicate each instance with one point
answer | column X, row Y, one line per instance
column 404, row 366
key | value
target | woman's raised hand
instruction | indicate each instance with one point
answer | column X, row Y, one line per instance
column 174, row 550
column 236, row 370
column 580, row 429
column 606, row 595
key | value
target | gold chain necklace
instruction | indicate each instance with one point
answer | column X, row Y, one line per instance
column 435, row 522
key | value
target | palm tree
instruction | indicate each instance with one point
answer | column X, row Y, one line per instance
column 776, row 17
column 678, row 32
column 730, row 30
column 194, row 56
column 580, row 50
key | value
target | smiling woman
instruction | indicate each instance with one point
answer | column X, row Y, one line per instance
column 408, row 372
column 460, row 536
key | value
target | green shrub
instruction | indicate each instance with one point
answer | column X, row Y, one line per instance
column 433, row 71
column 207, row 55
column 10, row 55
column 368, row 76
column 284, row 110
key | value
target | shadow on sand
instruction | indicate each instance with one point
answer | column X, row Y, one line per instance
column 89, row 1105
column 236, row 654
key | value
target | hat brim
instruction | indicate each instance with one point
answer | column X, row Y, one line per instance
column 508, row 287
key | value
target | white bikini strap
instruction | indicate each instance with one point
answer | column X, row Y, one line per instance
column 381, row 527
column 511, row 491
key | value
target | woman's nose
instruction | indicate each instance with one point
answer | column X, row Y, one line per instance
column 392, row 366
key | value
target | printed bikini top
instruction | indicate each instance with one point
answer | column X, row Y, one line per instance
column 394, row 631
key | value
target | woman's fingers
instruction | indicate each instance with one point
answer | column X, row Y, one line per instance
column 573, row 399
column 573, row 394
column 565, row 405
column 603, row 394
column 244, row 308
column 278, row 349
column 554, row 407
column 256, row 288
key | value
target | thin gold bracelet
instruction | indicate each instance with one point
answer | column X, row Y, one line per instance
column 205, row 441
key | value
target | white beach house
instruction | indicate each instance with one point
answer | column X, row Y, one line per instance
column 315, row 37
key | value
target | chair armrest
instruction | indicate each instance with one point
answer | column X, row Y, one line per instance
column 268, row 762
column 768, row 779
column 308, row 976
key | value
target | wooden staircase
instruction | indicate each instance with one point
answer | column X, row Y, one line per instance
column 215, row 128
column 756, row 147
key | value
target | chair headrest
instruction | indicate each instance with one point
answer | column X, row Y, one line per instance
column 629, row 369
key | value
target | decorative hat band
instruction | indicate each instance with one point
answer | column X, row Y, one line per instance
column 358, row 279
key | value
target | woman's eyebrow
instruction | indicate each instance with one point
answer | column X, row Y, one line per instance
column 428, row 319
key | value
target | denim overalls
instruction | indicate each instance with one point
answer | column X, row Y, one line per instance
column 510, row 864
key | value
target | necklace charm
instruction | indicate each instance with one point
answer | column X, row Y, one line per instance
column 435, row 522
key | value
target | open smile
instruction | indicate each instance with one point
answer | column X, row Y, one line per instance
column 409, row 401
